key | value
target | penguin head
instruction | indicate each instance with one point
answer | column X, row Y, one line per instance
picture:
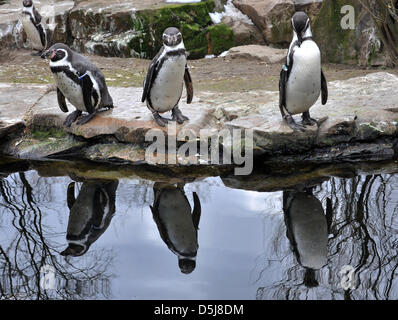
column 186, row 265
column 27, row 3
column 172, row 37
column 58, row 51
column 301, row 24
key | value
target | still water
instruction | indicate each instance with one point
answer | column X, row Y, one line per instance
column 70, row 237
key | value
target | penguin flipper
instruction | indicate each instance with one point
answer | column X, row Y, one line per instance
column 324, row 88
column 70, row 195
column 161, row 227
column 88, row 92
column 37, row 16
column 188, row 85
column 61, row 101
column 150, row 76
column 329, row 214
column 282, row 91
column 197, row 210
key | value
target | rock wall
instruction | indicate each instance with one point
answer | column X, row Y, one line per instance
column 127, row 29
column 360, row 45
column 133, row 29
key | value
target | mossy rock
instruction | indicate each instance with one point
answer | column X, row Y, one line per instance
column 336, row 44
column 192, row 19
column 220, row 38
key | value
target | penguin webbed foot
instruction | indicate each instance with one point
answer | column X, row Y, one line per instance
column 86, row 118
column 160, row 120
column 178, row 116
column 307, row 120
column 293, row 125
column 72, row 118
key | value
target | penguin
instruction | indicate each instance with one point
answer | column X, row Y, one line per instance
column 36, row 29
column 302, row 78
column 307, row 228
column 79, row 81
column 90, row 214
column 164, row 80
column 178, row 227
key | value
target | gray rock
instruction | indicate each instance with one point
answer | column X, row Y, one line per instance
column 257, row 52
column 244, row 33
column 271, row 17
column 14, row 105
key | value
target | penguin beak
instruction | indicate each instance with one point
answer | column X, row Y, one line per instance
column 171, row 41
column 48, row 53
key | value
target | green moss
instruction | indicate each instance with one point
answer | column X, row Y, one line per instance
column 221, row 38
column 192, row 19
column 43, row 134
column 336, row 44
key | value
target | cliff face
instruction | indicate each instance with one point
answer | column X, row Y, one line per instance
column 134, row 29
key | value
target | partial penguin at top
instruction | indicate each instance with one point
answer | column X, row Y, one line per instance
column 301, row 79
column 79, row 81
column 165, row 78
column 35, row 28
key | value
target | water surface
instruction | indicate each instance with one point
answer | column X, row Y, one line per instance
column 336, row 238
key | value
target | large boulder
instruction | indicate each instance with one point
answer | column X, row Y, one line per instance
column 360, row 45
column 271, row 17
column 244, row 33
column 259, row 53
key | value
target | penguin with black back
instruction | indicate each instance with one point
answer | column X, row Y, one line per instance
column 79, row 81
column 301, row 79
column 307, row 228
column 178, row 227
column 35, row 28
column 90, row 214
column 165, row 77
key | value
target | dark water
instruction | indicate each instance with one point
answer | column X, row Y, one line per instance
column 337, row 239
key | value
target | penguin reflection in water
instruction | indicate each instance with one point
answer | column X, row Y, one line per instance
column 90, row 214
column 35, row 28
column 178, row 227
column 164, row 81
column 301, row 79
column 79, row 81
column 307, row 230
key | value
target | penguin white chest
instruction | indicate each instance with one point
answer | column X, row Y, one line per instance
column 167, row 88
column 71, row 90
column 304, row 84
column 32, row 33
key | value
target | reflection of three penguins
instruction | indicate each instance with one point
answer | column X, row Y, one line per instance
column 91, row 213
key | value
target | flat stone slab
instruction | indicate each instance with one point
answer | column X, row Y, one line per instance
column 258, row 52
column 15, row 101
column 128, row 121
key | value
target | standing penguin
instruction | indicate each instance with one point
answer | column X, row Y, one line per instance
column 35, row 27
column 307, row 230
column 164, row 81
column 178, row 228
column 90, row 214
column 78, row 80
column 301, row 79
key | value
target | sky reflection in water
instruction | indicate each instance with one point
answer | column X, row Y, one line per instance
column 252, row 245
